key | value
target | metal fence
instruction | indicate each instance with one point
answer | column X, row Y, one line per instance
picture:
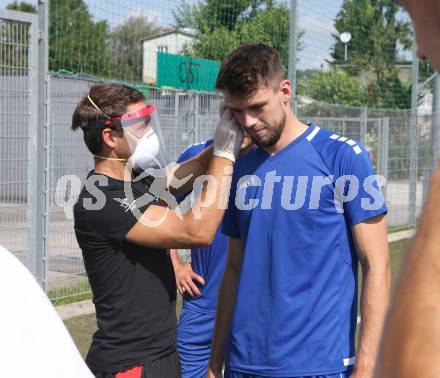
column 190, row 117
column 403, row 148
column 400, row 146
column 18, row 59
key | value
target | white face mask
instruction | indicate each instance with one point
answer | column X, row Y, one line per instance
column 147, row 151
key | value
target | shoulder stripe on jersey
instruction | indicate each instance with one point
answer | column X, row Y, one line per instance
column 349, row 361
column 313, row 133
column 357, row 150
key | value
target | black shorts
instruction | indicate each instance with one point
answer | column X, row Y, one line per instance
column 165, row 367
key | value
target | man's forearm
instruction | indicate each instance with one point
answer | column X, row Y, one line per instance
column 191, row 169
column 411, row 342
column 175, row 259
column 376, row 284
column 208, row 210
column 225, row 310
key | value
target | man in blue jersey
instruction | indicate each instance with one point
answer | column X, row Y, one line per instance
column 198, row 283
column 304, row 209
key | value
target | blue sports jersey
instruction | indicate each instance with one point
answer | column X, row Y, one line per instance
column 208, row 262
column 296, row 307
column 194, row 337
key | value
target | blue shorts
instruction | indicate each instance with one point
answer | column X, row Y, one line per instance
column 194, row 336
column 235, row 374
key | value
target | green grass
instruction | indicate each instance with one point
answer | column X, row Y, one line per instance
column 83, row 327
column 72, row 294
column 392, row 229
column 397, row 254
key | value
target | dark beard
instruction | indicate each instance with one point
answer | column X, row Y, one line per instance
column 274, row 137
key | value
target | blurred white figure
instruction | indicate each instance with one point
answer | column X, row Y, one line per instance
column 33, row 339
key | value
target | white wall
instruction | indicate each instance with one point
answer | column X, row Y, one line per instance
column 174, row 42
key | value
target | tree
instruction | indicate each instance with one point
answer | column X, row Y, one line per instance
column 336, row 87
column 223, row 27
column 22, row 7
column 209, row 15
column 270, row 26
column 214, row 45
column 389, row 92
column 377, row 34
column 77, row 43
column 127, row 49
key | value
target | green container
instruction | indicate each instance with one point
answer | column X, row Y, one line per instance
column 186, row 72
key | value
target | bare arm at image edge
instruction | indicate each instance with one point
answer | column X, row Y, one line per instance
column 372, row 249
column 411, row 341
column 225, row 307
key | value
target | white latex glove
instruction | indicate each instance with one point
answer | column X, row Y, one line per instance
column 228, row 137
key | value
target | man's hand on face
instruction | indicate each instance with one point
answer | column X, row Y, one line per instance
column 228, row 137
column 185, row 278
column 247, row 143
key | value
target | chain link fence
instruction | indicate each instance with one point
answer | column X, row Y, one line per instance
column 402, row 145
column 17, row 105
column 186, row 118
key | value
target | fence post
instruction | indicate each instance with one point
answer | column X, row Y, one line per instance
column 413, row 140
column 176, row 104
column 197, row 133
column 293, row 49
column 32, row 193
column 383, row 152
column 40, row 224
column 189, row 119
column 364, row 123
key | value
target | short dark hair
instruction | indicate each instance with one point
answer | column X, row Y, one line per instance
column 249, row 67
column 113, row 100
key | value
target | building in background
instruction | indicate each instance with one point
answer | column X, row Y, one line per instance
column 169, row 41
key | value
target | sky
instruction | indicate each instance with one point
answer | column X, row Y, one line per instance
column 315, row 17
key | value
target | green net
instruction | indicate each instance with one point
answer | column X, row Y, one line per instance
column 353, row 66
column 349, row 52
column 173, row 43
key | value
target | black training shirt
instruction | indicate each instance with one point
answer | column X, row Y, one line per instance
column 134, row 289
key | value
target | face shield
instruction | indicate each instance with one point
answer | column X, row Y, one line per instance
column 143, row 129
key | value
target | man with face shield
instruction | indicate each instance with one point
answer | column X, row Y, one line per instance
column 123, row 227
column 144, row 128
